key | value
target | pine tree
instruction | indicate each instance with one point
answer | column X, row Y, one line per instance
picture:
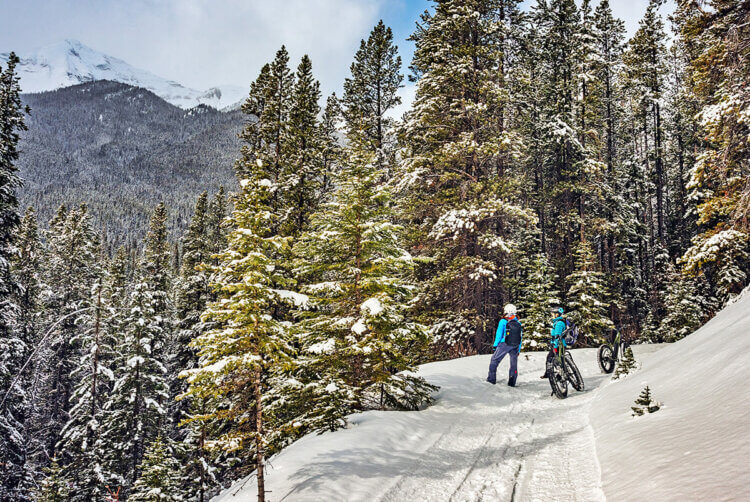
column 301, row 179
column 539, row 297
column 248, row 343
column 192, row 294
column 135, row 408
column 685, row 307
column 157, row 480
column 356, row 340
column 71, row 273
column 53, row 487
column 587, row 295
column 371, row 92
column 215, row 225
column 717, row 189
column 461, row 205
column 625, row 365
column 330, row 148
column 79, row 446
column 266, row 136
column 645, row 403
column 14, row 343
column 646, row 70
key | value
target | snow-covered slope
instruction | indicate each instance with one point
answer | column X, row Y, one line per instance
column 70, row 62
column 477, row 442
column 697, row 447
column 483, row 442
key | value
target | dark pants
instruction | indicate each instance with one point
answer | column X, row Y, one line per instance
column 498, row 356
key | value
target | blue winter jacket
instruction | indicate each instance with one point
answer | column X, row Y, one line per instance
column 501, row 329
column 558, row 328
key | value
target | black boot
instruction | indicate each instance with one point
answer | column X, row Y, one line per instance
column 546, row 375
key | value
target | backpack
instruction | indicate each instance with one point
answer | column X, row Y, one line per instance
column 513, row 333
column 570, row 335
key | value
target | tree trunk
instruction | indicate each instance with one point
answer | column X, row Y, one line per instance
column 259, row 468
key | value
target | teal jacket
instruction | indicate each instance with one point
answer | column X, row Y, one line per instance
column 558, row 328
column 501, row 329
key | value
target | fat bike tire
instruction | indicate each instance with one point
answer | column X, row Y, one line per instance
column 606, row 359
column 557, row 380
column 574, row 375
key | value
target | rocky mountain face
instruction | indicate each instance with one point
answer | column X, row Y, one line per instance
column 122, row 149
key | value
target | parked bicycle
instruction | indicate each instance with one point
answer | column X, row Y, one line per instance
column 610, row 353
column 562, row 368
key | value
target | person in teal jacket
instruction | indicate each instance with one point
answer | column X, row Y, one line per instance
column 508, row 340
column 558, row 328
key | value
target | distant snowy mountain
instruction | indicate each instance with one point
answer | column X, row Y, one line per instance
column 70, row 63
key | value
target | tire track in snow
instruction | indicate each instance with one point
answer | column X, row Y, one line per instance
column 532, row 461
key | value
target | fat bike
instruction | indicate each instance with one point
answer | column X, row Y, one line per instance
column 610, row 353
column 562, row 369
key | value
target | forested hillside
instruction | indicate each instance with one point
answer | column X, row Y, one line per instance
column 546, row 161
column 122, row 149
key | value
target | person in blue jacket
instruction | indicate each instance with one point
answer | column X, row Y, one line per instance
column 507, row 341
column 558, row 328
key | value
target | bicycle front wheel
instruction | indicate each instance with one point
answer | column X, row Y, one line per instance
column 606, row 359
column 574, row 376
column 557, row 379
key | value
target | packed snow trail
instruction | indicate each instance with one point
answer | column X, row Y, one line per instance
column 476, row 442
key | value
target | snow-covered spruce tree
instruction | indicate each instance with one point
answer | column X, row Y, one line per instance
column 14, row 344
column 539, row 296
column 645, row 403
column 718, row 190
column 645, row 68
column 685, row 307
column 71, row 274
column 52, row 488
column 248, row 344
column 216, row 233
column 135, row 409
column 192, row 295
column 460, row 201
column 330, row 148
column 79, row 448
column 371, row 92
column 300, row 181
column 625, row 365
column 157, row 482
column 588, row 296
column 266, row 133
column 356, row 338
column 156, row 271
column 137, row 406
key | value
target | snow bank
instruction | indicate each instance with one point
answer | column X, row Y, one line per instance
column 697, row 447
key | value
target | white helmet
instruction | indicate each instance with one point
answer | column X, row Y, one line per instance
column 510, row 309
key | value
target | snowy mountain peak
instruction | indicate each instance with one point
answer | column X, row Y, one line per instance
column 70, row 62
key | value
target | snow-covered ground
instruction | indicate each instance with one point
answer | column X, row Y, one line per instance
column 70, row 62
column 482, row 442
column 697, row 447
column 477, row 442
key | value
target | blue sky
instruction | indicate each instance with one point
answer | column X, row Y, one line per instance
column 202, row 43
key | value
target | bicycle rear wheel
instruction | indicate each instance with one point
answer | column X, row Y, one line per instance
column 574, row 375
column 606, row 359
column 557, row 379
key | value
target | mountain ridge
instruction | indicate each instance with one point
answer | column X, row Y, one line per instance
column 70, row 62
